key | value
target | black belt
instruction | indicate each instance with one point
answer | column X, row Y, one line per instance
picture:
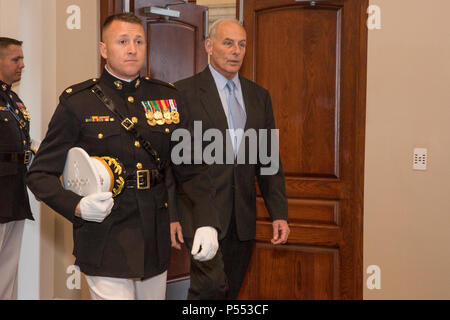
column 144, row 179
column 17, row 157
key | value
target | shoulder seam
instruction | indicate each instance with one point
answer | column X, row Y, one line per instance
column 70, row 91
column 167, row 84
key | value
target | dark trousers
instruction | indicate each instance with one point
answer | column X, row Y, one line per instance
column 221, row 278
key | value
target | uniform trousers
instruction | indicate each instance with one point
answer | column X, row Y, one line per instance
column 105, row 288
column 221, row 277
column 10, row 242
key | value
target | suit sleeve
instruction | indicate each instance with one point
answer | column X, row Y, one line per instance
column 272, row 186
column 170, row 183
column 195, row 180
column 46, row 169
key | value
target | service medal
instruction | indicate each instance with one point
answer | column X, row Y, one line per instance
column 149, row 115
column 151, row 122
column 167, row 115
column 158, row 115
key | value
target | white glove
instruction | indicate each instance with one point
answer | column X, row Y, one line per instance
column 35, row 144
column 205, row 237
column 97, row 206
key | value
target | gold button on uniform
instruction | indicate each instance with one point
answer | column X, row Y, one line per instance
column 69, row 90
column 137, row 144
column 139, row 166
column 24, row 143
column 130, row 99
column 166, row 205
column 135, row 120
column 17, row 111
column 167, row 130
column 6, row 120
column 100, row 135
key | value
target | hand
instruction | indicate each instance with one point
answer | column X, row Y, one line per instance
column 176, row 233
column 95, row 207
column 206, row 238
column 280, row 227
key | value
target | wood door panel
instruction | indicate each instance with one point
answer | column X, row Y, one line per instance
column 166, row 42
column 328, row 236
column 315, row 188
column 306, row 96
column 305, row 211
column 312, row 273
column 175, row 46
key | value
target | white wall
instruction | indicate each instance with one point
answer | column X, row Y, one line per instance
column 407, row 220
column 55, row 58
column 23, row 20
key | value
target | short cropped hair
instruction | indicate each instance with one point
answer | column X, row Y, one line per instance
column 213, row 28
column 6, row 42
column 125, row 17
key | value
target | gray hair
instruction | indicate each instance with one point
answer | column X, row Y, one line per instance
column 215, row 25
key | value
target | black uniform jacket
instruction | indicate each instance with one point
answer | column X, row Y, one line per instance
column 14, row 140
column 234, row 183
column 134, row 240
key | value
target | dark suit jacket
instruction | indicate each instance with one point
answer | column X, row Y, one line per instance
column 234, row 183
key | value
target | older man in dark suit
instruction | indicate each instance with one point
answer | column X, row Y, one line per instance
column 223, row 100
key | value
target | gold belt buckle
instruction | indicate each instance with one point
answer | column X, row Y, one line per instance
column 27, row 157
column 143, row 179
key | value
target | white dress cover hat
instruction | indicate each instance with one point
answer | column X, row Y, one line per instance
column 86, row 175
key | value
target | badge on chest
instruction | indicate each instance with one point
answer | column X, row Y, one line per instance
column 160, row 112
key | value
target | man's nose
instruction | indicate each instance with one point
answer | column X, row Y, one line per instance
column 132, row 48
column 236, row 49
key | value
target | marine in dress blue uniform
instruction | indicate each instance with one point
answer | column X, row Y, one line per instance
column 15, row 154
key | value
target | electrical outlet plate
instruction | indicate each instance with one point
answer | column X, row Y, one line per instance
column 420, row 159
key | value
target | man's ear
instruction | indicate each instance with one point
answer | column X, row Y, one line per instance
column 103, row 50
column 208, row 46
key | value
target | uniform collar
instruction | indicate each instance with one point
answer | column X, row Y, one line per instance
column 4, row 87
column 120, row 85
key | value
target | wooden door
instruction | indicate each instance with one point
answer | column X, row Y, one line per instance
column 175, row 50
column 311, row 56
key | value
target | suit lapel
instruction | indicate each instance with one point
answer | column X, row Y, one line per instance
column 212, row 104
column 210, row 99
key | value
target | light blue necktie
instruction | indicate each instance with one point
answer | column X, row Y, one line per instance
column 236, row 112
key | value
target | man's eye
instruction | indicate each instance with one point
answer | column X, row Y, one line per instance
column 123, row 41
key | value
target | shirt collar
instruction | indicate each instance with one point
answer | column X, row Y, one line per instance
column 221, row 81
